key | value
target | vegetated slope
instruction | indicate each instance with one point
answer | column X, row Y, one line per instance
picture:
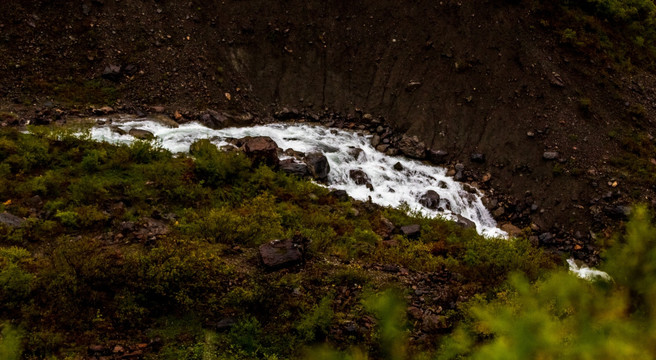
column 504, row 79
column 130, row 252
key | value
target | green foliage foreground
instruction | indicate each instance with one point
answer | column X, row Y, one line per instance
column 87, row 267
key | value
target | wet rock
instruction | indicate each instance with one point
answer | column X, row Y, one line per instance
column 112, row 72
column 477, row 158
column 375, row 140
column 464, row 222
column 437, row 157
column 430, row 199
column 411, row 231
column 165, row 120
column 118, row 130
column 157, row 109
column 318, row 165
column 261, row 149
column 290, row 166
column 512, row 230
column 412, row 147
column 357, row 153
column 550, row 155
column 359, row 177
column 382, row 147
column 280, row 254
column 398, row 166
column 213, row 119
column 141, row 134
column 11, row 220
column 459, row 175
column 340, row 195
column 391, row 151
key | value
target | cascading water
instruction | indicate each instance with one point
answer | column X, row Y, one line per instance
column 345, row 151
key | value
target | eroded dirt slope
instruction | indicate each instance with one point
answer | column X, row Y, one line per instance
column 464, row 76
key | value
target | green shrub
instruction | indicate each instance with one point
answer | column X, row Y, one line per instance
column 314, row 325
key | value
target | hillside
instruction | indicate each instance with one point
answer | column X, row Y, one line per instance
column 548, row 107
column 495, row 78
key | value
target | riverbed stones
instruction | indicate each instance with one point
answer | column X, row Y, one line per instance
column 412, row 147
column 430, row 199
column 318, row 166
column 261, row 149
column 398, row 167
column 293, row 167
column 512, row 230
column 141, row 134
column 279, row 254
column 359, row 177
column 375, row 140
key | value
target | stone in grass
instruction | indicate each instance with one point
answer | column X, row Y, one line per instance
column 279, row 254
column 11, row 220
column 411, row 231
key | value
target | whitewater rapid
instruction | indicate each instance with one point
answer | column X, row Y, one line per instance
column 345, row 151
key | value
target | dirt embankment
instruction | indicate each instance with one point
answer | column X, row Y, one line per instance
column 467, row 77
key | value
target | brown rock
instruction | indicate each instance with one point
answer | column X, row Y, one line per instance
column 141, row 134
column 412, row 147
column 280, row 254
column 512, row 230
column 261, row 149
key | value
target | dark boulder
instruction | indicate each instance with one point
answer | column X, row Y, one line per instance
column 359, row 176
column 141, row 134
column 430, row 199
column 477, row 158
column 340, row 195
column 290, row 166
column 411, row 231
column 464, row 222
column 318, row 165
column 437, row 157
column 213, row 119
column 412, row 147
column 112, row 72
column 261, row 149
column 279, row 254
column 398, row 166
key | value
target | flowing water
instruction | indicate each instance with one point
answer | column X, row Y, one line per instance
column 345, row 150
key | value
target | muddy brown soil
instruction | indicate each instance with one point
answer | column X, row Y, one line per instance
column 467, row 77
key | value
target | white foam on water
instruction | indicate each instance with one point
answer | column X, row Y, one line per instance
column 391, row 187
column 584, row 272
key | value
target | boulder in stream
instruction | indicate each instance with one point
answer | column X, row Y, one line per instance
column 261, row 149
column 318, row 165
column 430, row 199
column 359, row 176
